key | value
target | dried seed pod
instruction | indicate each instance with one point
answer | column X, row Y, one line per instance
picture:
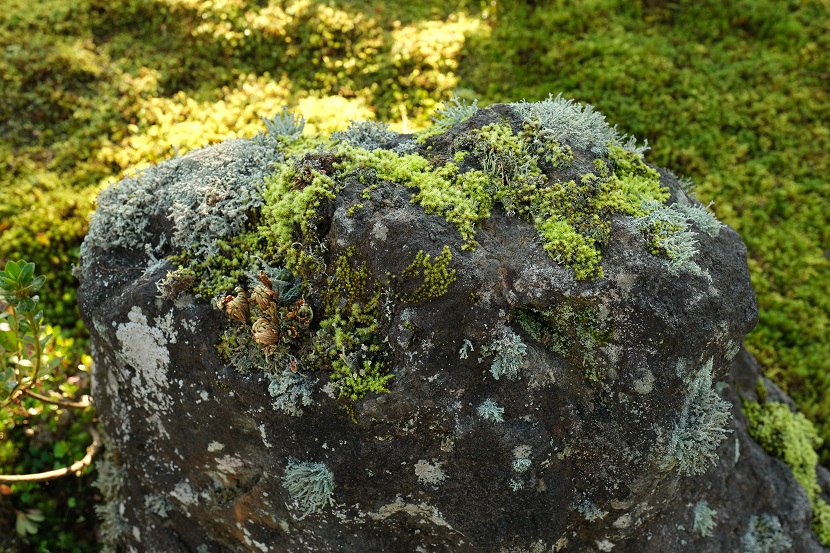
column 263, row 278
column 237, row 307
column 265, row 332
column 264, row 297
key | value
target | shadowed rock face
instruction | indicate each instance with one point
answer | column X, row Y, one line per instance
column 608, row 422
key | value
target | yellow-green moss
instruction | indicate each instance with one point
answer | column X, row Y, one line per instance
column 436, row 277
column 793, row 439
column 348, row 342
column 219, row 273
column 573, row 218
column 290, row 212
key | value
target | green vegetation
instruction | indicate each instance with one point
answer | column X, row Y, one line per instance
column 733, row 95
column 793, row 439
column 42, row 426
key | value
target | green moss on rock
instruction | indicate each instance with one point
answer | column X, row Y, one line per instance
column 793, row 439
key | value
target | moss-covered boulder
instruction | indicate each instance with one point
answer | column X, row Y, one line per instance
column 508, row 333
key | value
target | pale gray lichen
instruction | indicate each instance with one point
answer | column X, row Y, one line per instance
column 589, row 511
column 208, row 194
column 466, row 347
column 369, row 135
column 669, row 231
column 454, row 112
column 702, row 217
column 110, row 510
column 509, row 351
column 310, row 485
column 285, row 124
column 430, row 473
column 290, row 391
column 704, row 518
column 576, row 124
column 765, row 535
column 491, row 411
column 700, row 427
column 521, row 465
column 158, row 504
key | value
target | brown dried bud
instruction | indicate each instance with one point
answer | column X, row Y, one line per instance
column 264, row 297
column 237, row 307
column 291, row 332
column 263, row 278
column 265, row 332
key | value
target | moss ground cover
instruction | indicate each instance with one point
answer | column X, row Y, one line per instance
column 733, row 95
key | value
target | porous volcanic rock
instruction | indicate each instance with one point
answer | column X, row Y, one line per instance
column 535, row 401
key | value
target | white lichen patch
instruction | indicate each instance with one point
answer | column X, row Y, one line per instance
column 604, row 545
column 215, row 446
column 429, row 473
column 626, row 281
column 264, row 435
column 185, row 495
column 380, row 231
column 419, row 510
column 645, row 384
column 144, row 348
column 536, row 547
column 623, row 522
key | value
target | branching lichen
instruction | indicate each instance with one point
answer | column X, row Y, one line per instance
column 576, row 124
column 369, row 135
column 704, row 521
column 765, row 535
column 700, row 427
column 285, row 124
column 589, row 511
column 310, row 485
column 491, row 411
column 290, row 391
column 509, row 353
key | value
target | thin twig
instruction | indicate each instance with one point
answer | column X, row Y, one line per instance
column 75, row 468
column 83, row 404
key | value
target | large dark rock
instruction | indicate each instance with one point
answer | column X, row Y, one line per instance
column 528, row 410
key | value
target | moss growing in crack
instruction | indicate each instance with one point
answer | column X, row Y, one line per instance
column 218, row 273
column 348, row 342
column 293, row 196
column 436, row 277
column 576, row 334
column 793, row 439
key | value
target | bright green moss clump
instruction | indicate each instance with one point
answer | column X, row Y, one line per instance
column 436, row 276
column 349, row 339
column 793, row 439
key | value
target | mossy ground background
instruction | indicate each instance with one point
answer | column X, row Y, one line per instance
column 734, row 95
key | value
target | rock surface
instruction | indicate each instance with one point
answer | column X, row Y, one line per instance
column 528, row 410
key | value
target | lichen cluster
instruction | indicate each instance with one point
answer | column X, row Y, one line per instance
column 700, row 428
